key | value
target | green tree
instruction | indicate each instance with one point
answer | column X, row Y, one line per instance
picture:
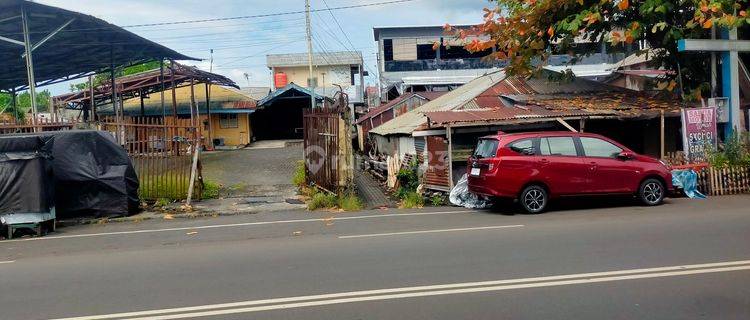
column 23, row 103
column 527, row 32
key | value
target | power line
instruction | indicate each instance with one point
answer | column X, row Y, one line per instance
column 267, row 14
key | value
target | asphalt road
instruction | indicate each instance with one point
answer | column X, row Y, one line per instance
column 688, row 259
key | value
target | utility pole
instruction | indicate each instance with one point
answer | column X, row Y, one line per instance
column 310, row 54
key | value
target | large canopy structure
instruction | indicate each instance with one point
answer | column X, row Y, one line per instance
column 65, row 45
column 142, row 85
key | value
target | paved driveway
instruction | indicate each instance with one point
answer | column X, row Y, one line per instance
column 253, row 172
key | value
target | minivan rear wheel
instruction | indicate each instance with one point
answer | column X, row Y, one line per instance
column 534, row 199
column 651, row 192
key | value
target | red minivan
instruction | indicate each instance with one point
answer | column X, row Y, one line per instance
column 534, row 167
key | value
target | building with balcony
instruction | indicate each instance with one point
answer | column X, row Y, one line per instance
column 408, row 60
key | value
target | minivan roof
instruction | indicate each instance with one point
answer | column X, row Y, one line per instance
column 533, row 134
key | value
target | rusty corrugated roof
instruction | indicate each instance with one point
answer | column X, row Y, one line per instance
column 429, row 96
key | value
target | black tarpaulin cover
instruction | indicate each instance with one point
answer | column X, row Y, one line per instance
column 93, row 174
column 26, row 180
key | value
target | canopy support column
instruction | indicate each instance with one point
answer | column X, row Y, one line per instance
column 29, row 63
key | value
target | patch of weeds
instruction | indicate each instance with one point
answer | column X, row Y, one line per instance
column 321, row 200
column 408, row 178
column 349, row 202
column 299, row 178
column 210, row 190
column 412, row 200
column 162, row 202
column 437, row 200
column 163, row 186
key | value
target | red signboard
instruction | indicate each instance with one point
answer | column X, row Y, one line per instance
column 698, row 132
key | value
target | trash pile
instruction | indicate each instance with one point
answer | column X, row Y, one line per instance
column 460, row 196
column 687, row 180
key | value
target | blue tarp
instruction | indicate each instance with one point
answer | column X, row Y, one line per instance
column 688, row 181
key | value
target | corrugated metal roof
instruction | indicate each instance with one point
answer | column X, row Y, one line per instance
column 319, row 59
column 290, row 87
column 256, row 93
column 223, row 99
column 388, row 106
column 478, row 116
column 517, row 98
column 408, row 122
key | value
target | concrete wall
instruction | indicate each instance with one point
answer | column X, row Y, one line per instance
column 327, row 75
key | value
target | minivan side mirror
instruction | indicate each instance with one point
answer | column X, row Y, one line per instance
column 625, row 155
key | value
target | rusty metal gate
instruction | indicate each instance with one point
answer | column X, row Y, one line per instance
column 321, row 142
column 161, row 151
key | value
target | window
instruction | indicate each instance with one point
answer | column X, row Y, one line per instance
column 228, row 121
column 425, row 52
column 388, row 49
column 486, row 148
column 558, row 146
column 594, row 147
column 525, row 146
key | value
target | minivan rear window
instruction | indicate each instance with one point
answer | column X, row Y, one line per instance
column 523, row 146
column 486, row 148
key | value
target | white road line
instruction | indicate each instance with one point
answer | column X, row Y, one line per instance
column 416, row 291
column 374, row 216
column 427, row 231
column 5, row 262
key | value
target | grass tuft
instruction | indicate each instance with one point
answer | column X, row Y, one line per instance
column 412, row 200
column 349, row 202
column 210, row 190
column 321, row 200
column 299, row 178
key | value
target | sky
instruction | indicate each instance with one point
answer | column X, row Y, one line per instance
column 240, row 45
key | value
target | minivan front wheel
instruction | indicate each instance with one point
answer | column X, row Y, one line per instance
column 651, row 192
column 534, row 199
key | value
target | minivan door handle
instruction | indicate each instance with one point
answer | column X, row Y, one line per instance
column 594, row 166
column 544, row 162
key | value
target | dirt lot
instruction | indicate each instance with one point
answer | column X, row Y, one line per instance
column 253, row 172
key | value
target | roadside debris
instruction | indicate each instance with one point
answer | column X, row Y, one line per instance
column 688, row 181
column 297, row 233
column 461, row 196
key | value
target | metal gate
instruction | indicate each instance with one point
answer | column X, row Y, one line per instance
column 321, row 141
column 161, row 150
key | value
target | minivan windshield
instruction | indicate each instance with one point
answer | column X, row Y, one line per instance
column 486, row 148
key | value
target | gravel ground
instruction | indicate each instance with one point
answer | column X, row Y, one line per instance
column 253, row 172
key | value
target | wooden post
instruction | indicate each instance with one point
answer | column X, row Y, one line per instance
column 143, row 105
column 52, row 108
column 582, row 124
column 15, row 105
column 210, row 142
column 661, row 134
column 449, row 135
column 192, row 101
column 193, row 171
column 174, row 91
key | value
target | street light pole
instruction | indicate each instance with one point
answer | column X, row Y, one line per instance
column 311, row 83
